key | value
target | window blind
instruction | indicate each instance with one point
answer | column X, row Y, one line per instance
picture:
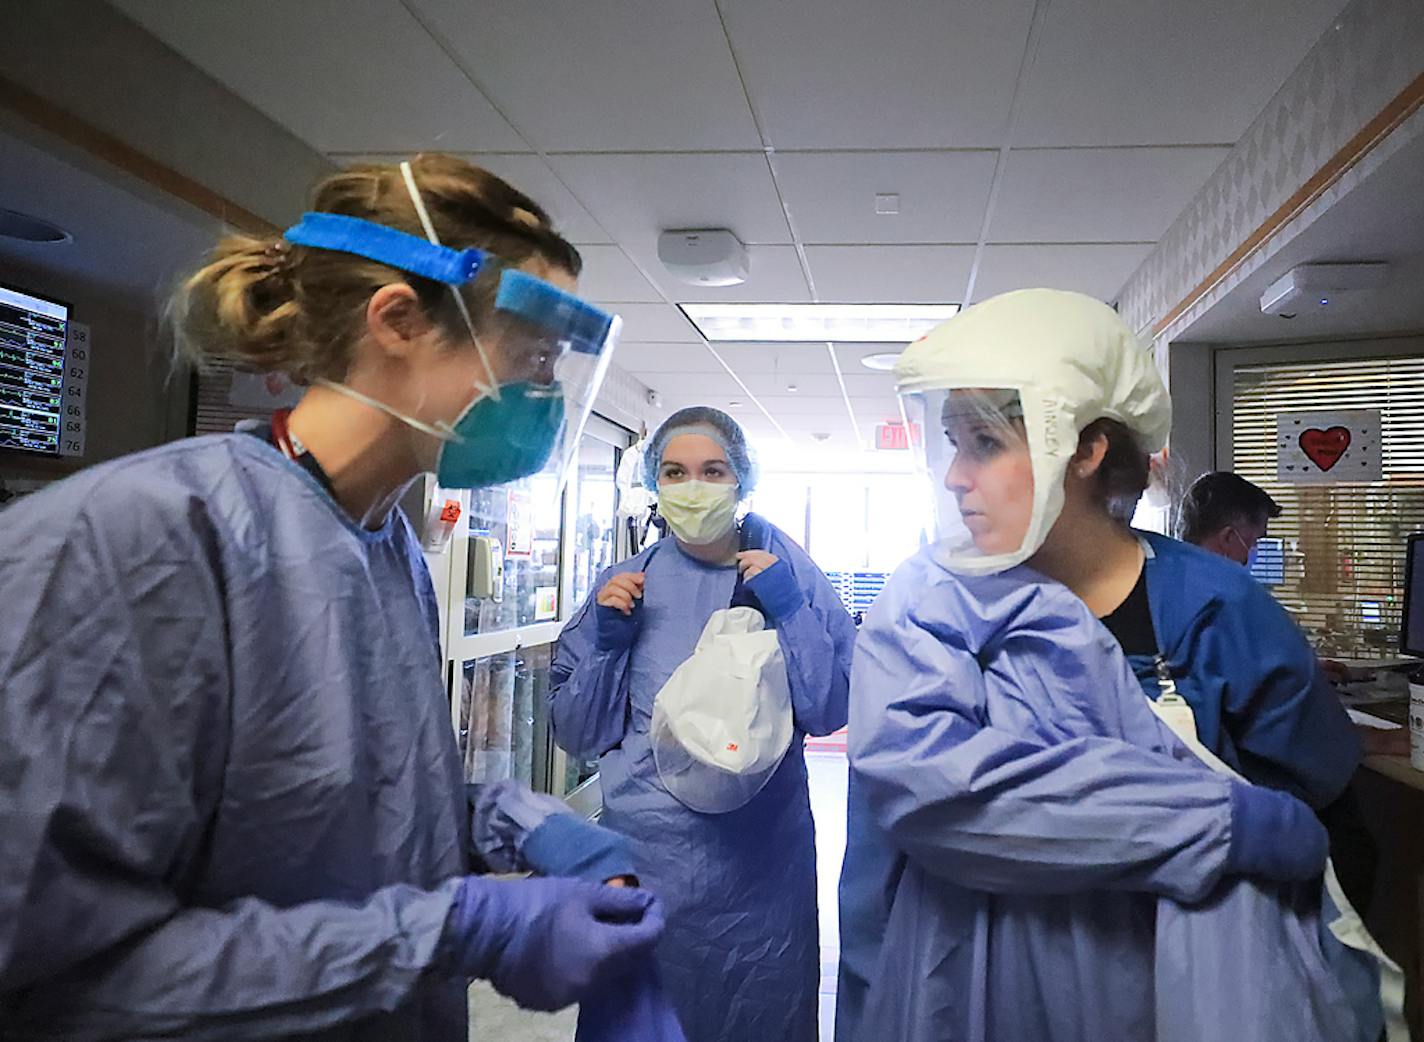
column 1344, row 544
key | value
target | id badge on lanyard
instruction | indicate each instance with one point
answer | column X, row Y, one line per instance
column 1171, row 708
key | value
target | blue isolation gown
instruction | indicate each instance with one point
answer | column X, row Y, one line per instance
column 740, row 959
column 1023, row 832
column 230, row 799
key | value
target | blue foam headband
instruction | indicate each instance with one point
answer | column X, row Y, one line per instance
column 545, row 304
column 377, row 242
column 522, row 294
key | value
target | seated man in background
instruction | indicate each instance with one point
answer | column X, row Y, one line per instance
column 1228, row 515
column 1224, row 513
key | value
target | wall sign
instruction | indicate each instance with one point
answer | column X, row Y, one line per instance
column 263, row 392
column 521, row 524
column 1329, row 448
column 78, row 347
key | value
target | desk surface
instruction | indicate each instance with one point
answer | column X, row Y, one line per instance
column 1396, row 768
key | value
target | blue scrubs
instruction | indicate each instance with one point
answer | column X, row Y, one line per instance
column 230, row 797
column 740, row 958
column 1254, row 684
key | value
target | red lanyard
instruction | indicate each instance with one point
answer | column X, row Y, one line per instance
column 282, row 435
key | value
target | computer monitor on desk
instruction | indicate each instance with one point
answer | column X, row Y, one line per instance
column 1411, row 627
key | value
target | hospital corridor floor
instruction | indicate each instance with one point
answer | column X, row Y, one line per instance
column 494, row 1018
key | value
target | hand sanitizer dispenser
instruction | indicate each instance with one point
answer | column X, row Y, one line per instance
column 486, row 568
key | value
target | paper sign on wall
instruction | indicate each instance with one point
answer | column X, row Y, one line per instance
column 546, row 603
column 1329, row 448
column 521, row 524
column 263, row 392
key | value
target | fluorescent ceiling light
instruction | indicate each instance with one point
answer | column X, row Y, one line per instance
column 817, row 323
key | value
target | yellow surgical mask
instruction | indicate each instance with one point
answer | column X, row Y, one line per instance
column 698, row 512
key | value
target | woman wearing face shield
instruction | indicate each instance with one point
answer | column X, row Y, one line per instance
column 233, row 805
column 1024, row 831
column 729, row 847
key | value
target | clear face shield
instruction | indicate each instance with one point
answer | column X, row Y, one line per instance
column 543, row 358
column 974, row 446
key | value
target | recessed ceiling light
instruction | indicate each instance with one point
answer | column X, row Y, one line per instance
column 881, row 363
column 815, row 323
column 21, row 226
column 792, row 388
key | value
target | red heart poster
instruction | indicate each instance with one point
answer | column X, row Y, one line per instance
column 1325, row 447
column 1339, row 447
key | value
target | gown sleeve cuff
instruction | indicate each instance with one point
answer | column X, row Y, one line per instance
column 777, row 591
column 615, row 631
column 566, row 845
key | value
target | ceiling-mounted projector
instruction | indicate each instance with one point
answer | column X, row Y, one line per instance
column 704, row 256
column 1317, row 285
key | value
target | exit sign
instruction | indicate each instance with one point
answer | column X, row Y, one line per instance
column 896, row 437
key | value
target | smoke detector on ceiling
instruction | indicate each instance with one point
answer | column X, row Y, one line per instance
column 704, row 256
column 1316, row 286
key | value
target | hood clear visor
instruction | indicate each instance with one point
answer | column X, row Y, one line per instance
column 974, row 446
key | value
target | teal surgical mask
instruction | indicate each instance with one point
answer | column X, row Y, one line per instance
column 501, row 439
column 493, row 440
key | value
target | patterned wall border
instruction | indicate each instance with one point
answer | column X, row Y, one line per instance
column 1362, row 83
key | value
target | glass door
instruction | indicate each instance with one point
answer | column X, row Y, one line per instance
column 523, row 557
column 594, row 547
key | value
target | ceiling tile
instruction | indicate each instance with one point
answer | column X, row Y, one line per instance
column 343, row 75
column 892, row 74
column 831, row 195
column 1163, row 72
column 1098, row 270
column 654, row 323
column 685, row 386
column 737, row 405
column 637, row 196
column 593, row 76
column 1098, row 194
column 884, row 408
column 850, row 355
column 775, row 277
column 890, row 274
column 786, row 359
column 778, row 385
column 644, row 359
column 786, row 408
column 609, row 275
column 865, row 384
column 526, row 172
